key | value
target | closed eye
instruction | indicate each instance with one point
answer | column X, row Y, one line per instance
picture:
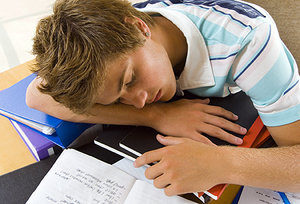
column 132, row 81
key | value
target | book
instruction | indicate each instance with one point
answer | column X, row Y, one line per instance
column 140, row 139
column 111, row 136
column 39, row 146
column 238, row 195
column 79, row 178
column 13, row 106
column 251, row 195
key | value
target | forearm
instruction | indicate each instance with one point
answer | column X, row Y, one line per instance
column 273, row 168
column 119, row 114
column 112, row 114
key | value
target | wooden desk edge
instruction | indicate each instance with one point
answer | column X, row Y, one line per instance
column 14, row 154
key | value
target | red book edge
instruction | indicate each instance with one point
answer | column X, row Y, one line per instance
column 262, row 137
column 256, row 135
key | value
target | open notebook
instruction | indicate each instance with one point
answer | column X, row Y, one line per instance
column 79, row 178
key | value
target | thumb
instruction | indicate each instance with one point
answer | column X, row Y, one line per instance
column 169, row 140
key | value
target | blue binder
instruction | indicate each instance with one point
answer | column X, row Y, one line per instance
column 13, row 106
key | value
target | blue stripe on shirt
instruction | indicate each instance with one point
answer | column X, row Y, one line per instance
column 291, row 87
column 144, row 4
column 267, row 90
column 232, row 18
column 212, row 33
column 222, row 57
column 281, row 118
column 256, row 55
column 224, row 14
column 239, row 7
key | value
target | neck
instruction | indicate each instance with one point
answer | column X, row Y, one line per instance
column 173, row 41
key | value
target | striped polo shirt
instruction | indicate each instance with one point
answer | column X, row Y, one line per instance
column 232, row 46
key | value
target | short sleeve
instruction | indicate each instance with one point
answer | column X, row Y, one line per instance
column 267, row 72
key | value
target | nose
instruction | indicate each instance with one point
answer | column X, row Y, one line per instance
column 135, row 98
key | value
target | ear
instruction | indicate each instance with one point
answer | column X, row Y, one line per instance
column 140, row 24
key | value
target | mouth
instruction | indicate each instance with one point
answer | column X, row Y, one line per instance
column 157, row 97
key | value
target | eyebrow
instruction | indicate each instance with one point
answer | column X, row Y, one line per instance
column 121, row 82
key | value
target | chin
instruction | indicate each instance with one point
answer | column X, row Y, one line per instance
column 168, row 96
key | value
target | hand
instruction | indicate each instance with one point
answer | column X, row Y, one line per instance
column 184, row 165
column 192, row 118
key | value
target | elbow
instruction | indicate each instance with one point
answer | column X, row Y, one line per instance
column 31, row 103
column 33, row 98
column 30, row 100
column 45, row 103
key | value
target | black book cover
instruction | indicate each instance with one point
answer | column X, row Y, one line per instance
column 111, row 136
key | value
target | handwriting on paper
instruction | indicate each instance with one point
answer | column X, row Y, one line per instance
column 101, row 190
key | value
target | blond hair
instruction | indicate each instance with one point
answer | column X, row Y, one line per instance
column 74, row 44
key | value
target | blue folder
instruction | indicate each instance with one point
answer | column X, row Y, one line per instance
column 13, row 106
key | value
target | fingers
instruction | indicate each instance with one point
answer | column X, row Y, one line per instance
column 226, row 124
column 200, row 138
column 219, row 111
column 154, row 171
column 172, row 190
column 161, row 182
column 169, row 140
column 222, row 134
column 149, row 157
column 219, row 116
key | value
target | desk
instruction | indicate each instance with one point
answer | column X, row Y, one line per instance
column 14, row 154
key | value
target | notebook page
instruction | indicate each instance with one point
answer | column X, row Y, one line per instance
column 294, row 198
column 126, row 165
column 252, row 195
column 78, row 178
column 143, row 192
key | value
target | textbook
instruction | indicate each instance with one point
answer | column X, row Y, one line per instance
column 39, row 146
column 76, row 177
column 13, row 106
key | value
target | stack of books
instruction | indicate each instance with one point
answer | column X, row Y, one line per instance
column 39, row 131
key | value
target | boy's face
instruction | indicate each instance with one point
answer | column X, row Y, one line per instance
column 140, row 77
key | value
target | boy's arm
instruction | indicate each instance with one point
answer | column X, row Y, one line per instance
column 188, row 118
column 286, row 134
column 113, row 114
column 273, row 168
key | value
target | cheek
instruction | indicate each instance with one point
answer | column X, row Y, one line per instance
column 155, row 76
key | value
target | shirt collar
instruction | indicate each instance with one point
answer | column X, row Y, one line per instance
column 197, row 71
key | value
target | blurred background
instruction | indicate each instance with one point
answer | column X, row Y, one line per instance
column 18, row 19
